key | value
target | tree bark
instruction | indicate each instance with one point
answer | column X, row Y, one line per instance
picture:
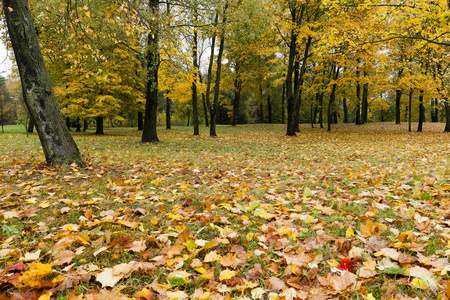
column 236, row 100
column 269, row 108
column 410, row 109
column 365, row 104
column 398, row 97
column 332, row 96
column 321, row 110
column 149, row 133
column 140, row 120
column 78, row 125
column 345, row 110
column 168, row 105
column 99, row 129
column 283, row 108
column 85, row 125
column 358, row 99
column 421, row 112
column 209, row 76
column 194, row 82
column 205, row 107
column 447, row 116
column 212, row 127
column 58, row 145
column 30, row 127
column 261, row 105
column 289, row 80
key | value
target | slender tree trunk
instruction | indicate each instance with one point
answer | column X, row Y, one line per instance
column 421, row 112
column 311, row 114
column 189, row 117
column 212, row 128
column 321, row 110
column 365, row 104
column 149, row 133
column 290, row 71
column 301, row 77
column 410, row 109
column 398, row 96
column 140, row 120
column 194, row 84
column 168, row 108
column 85, row 125
column 261, row 105
column 344, row 100
column 283, row 108
column 30, row 128
column 205, row 107
column 358, row 99
column 269, row 108
column 447, row 116
column 236, row 101
column 58, row 145
column 209, row 77
column 78, row 125
column 332, row 96
column 99, row 129
column 68, row 123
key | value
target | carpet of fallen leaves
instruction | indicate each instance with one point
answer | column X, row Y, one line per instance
column 359, row 213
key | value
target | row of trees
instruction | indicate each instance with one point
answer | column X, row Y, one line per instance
column 246, row 60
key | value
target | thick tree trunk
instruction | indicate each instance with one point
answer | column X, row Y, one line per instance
column 140, row 120
column 212, row 127
column 345, row 110
column 85, row 125
column 194, row 82
column 149, row 133
column 421, row 112
column 99, row 129
column 58, row 145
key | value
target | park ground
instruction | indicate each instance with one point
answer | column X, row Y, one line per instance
column 362, row 212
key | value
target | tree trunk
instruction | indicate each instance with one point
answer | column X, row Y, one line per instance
column 421, row 112
column 283, row 116
column 269, row 108
column 345, row 110
column 410, row 109
column 447, row 116
column 365, row 104
column 212, row 127
column 85, row 125
column 194, row 82
column 78, row 125
column 321, row 110
column 58, row 145
column 261, row 105
column 290, row 70
column 30, row 127
column 332, row 96
column 168, row 105
column 398, row 96
column 149, row 133
column 236, row 101
column 209, row 77
column 140, row 120
column 99, row 129
column 358, row 99
column 301, row 76
column 205, row 107
column 68, row 123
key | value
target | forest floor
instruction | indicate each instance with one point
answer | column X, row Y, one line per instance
column 362, row 212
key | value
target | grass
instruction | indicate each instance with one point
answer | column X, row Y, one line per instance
column 193, row 188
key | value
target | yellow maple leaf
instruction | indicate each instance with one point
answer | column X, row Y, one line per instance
column 418, row 283
column 227, row 274
column 33, row 277
column 349, row 233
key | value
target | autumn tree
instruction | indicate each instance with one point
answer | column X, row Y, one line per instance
column 58, row 145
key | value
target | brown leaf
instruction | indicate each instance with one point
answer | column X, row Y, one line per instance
column 63, row 257
column 275, row 284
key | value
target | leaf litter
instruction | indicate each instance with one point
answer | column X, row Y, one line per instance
column 250, row 215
